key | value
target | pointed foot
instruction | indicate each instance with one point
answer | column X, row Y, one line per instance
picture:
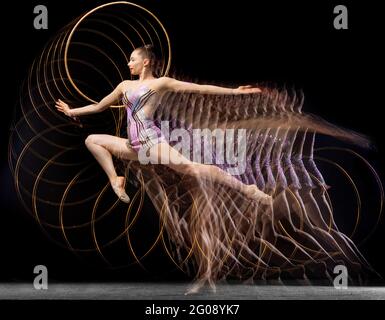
column 118, row 187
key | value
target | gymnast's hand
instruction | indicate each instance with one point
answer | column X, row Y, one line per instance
column 247, row 89
column 64, row 107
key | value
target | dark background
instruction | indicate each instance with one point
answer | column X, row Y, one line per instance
column 295, row 43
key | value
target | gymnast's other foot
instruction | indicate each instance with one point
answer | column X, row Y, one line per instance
column 196, row 287
column 253, row 192
column 192, row 290
column 118, row 187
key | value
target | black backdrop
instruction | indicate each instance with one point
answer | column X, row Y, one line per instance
column 292, row 42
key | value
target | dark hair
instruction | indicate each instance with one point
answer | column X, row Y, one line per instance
column 157, row 64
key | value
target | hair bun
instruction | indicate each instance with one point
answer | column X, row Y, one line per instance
column 148, row 46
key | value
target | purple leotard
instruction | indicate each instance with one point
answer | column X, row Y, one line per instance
column 142, row 130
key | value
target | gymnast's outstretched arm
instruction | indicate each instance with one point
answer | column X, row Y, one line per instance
column 171, row 84
column 107, row 101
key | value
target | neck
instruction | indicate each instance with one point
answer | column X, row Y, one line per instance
column 146, row 75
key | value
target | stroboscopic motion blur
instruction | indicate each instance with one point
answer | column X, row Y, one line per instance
column 208, row 229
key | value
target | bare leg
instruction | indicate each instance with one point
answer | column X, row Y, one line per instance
column 181, row 164
column 103, row 146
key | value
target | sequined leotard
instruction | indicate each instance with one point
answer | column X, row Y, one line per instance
column 142, row 130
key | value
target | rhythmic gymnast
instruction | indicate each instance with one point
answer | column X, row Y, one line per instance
column 140, row 97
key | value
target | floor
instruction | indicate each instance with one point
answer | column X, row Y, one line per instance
column 176, row 291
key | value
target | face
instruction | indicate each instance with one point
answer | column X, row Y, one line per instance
column 137, row 63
